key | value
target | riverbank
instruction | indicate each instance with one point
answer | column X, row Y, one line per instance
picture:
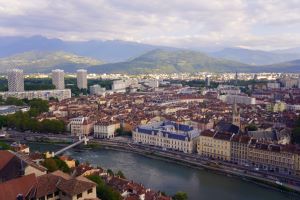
column 215, row 169
column 161, row 155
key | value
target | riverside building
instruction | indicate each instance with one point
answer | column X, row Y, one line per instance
column 168, row 135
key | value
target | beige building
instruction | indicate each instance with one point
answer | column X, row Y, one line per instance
column 58, row 185
column 239, row 149
column 271, row 157
column 105, row 129
column 80, row 126
column 215, row 145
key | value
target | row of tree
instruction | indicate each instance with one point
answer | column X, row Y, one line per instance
column 26, row 121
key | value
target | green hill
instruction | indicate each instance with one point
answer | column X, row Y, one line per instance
column 170, row 61
column 34, row 61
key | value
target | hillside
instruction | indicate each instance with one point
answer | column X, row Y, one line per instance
column 34, row 61
column 255, row 57
column 170, row 61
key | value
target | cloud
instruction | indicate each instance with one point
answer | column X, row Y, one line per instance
column 265, row 24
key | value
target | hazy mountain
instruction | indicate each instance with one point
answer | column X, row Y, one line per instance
column 109, row 51
column 169, row 61
column 34, row 61
column 290, row 51
column 288, row 67
column 255, row 57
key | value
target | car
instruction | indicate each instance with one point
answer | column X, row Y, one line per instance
column 278, row 183
column 256, row 169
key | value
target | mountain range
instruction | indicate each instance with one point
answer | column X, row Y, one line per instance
column 40, row 54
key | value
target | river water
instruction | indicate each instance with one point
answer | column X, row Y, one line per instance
column 170, row 177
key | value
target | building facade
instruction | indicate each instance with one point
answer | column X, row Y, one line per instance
column 80, row 126
column 58, row 79
column 39, row 94
column 97, row 90
column 168, row 135
column 15, row 78
column 105, row 130
column 215, row 145
column 82, row 79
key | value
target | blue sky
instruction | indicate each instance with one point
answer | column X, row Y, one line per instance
column 256, row 24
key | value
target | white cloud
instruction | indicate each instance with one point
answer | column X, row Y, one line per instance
column 262, row 24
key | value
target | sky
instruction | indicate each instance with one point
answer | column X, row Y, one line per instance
column 255, row 24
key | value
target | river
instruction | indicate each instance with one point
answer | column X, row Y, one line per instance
column 170, row 177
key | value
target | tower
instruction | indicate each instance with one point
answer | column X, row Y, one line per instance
column 58, row 79
column 15, row 78
column 236, row 117
column 236, row 78
column 82, row 79
column 207, row 81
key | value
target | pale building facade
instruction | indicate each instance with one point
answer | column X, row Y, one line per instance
column 15, row 78
column 82, row 79
column 58, row 79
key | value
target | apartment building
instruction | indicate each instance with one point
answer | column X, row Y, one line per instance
column 58, row 79
column 271, row 157
column 15, row 78
column 80, row 126
column 82, row 79
column 239, row 149
column 215, row 145
column 39, row 94
column 168, row 135
column 105, row 129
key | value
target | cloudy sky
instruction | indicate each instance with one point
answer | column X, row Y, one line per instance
column 257, row 24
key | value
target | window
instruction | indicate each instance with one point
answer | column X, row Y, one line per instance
column 49, row 196
column 90, row 191
column 56, row 193
column 42, row 198
column 79, row 195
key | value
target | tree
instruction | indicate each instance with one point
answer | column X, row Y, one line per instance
column 120, row 174
column 53, row 164
column 180, row 196
column 110, row 172
column 251, row 127
column 104, row 191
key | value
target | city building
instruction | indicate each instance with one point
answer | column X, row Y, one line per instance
column 58, row 79
column 207, row 81
column 52, row 186
column 239, row 149
column 168, row 135
column 7, row 110
column 216, row 145
column 80, row 126
column 240, row 99
column 13, row 165
column 41, row 94
column 105, row 129
column 271, row 157
column 228, row 89
column 236, row 115
column 97, row 90
column 82, row 79
column 15, row 78
column 119, row 85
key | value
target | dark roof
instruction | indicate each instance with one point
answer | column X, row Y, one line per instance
column 5, row 157
column 227, row 127
column 25, row 185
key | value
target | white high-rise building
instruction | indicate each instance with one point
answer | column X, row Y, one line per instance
column 15, row 79
column 58, row 79
column 82, row 79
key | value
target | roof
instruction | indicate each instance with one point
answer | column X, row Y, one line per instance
column 24, row 185
column 46, row 184
column 75, row 186
column 5, row 157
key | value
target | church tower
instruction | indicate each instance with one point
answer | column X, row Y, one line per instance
column 236, row 117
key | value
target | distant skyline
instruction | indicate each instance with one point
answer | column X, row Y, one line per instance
column 214, row 24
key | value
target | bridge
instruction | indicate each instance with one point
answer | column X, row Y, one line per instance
column 81, row 140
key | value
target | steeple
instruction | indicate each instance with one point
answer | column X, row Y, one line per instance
column 236, row 78
column 236, row 118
